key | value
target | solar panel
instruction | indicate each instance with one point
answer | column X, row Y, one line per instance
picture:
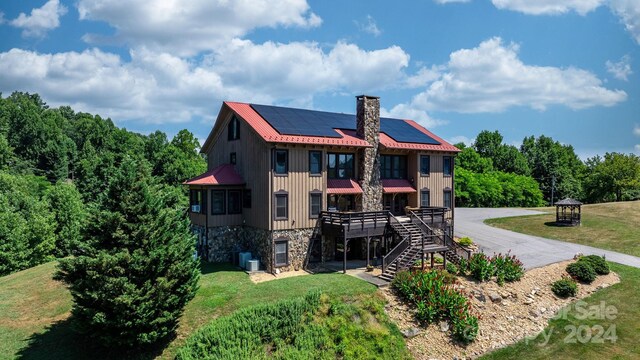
column 290, row 121
column 401, row 131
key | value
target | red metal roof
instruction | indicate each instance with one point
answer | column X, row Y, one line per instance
column 343, row 186
column 396, row 186
column 390, row 143
column 269, row 134
column 222, row 175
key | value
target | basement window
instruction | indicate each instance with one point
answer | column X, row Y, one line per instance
column 281, row 252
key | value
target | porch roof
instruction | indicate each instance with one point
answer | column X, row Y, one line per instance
column 397, row 186
column 343, row 186
column 222, row 175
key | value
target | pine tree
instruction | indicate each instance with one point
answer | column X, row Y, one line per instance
column 132, row 278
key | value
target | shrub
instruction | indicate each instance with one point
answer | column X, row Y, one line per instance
column 480, row 267
column 565, row 287
column 465, row 241
column 438, row 260
column 452, row 268
column 436, row 299
column 463, row 267
column 507, row 268
column 598, row 263
column 582, row 271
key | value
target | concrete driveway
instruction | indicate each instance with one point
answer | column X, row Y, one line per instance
column 533, row 251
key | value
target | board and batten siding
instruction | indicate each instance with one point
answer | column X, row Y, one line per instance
column 436, row 182
column 253, row 164
column 299, row 183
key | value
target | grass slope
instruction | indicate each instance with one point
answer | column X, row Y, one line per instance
column 34, row 309
column 622, row 296
column 611, row 226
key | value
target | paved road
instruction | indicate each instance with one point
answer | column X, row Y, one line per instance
column 533, row 251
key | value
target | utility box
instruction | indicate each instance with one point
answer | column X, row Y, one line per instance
column 252, row 265
column 243, row 257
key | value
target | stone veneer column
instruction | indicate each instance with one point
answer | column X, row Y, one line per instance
column 368, row 128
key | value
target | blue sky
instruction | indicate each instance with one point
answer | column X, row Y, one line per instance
column 564, row 68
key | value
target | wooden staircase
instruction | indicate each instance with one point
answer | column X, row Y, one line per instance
column 419, row 238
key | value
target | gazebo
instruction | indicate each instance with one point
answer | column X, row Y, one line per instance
column 568, row 212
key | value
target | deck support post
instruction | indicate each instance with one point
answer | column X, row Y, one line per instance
column 344, row 255
column 368, row 257
column 432, row 260
column 444, row 260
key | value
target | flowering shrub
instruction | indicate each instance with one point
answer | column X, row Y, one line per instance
column 436, row 299
column 507, row 268
column 480, row 267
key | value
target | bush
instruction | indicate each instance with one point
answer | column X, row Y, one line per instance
column 435, row 299
column 480, row 267
column 507, row 268
column 465, row 241
column 452, row 268
column 463, row 267
column 582, row 271
column 565, row 287
column 598, row 263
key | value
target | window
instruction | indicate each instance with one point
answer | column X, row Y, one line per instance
column 281, row 162
column 315, row 204
column 393, row 167
column 232, row 158
column 446, row 166
column 340, row 166
column 234, row 128
column 341, row 203
column 425, row 200
column 282, row 252
column 218, row 202
column 197, row 198
column 281, row 205
column 425, row 165
column 246, row 199
column 447, row 198
column 233, row 197
column 315, row 162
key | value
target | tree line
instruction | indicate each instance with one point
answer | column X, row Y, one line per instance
column 490, row 173
column 108, row 203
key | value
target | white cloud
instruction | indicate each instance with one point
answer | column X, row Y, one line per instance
column 189, row 27
column 637, row 148
column 2, row 20
column 491, row 78
column 403, row 111
column 296, row 69
column 621, row 69
column 41, row 19
column 629, row 13
column 461, row 139
column 370, row 26
column 548, row 7
column 636, row 130
column 159, row 87
column 423, row 77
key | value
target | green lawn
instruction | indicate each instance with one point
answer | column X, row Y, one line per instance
column 611, row 226
column 34, row 309
column 623, row 296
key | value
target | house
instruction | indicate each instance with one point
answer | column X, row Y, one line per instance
column 286, row 183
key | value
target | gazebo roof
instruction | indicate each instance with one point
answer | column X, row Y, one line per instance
column 568, row 201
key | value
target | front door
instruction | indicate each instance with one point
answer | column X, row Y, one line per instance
column 395, row 203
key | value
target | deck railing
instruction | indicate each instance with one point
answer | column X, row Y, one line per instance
column 392, row 255
column 355, row 220
column 433, row 215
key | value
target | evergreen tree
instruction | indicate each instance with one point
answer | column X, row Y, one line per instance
column 132, row 278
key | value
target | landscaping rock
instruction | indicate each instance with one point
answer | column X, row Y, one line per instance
column 495, row 298
column 444, row 326
column 501, row 323
column 411, row 332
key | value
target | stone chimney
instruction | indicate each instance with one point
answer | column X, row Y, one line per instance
column 368, row 128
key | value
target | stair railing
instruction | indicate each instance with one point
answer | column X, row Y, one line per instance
column 392, row 255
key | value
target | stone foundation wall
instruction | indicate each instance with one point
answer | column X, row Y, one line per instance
column 298, row 247
column 223, row 241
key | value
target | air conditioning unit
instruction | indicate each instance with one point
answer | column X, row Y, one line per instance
column 253, row 265
column 243, row 257
column 195, row 208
